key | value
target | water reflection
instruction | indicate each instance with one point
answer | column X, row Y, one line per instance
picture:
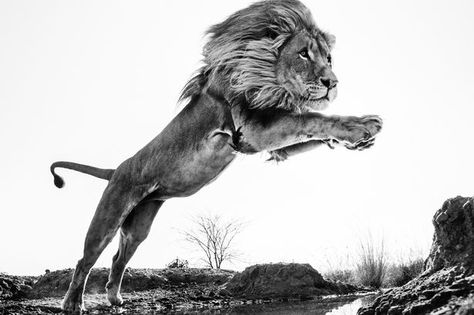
column 335, row 306
column 352, row 307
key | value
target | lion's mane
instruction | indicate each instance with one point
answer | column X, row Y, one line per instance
column 244, row 49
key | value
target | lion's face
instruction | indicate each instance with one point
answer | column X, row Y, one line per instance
column 304, row 67
column 266, row 56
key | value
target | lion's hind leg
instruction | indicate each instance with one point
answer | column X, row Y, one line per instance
column 133, row 232
column 116, row 203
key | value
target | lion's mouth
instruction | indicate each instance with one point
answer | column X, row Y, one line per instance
column 323, row 98
column 319, row 98
column 328, row 96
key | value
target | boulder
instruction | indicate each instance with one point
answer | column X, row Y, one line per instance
column 285, row 281
column 15, row 287
column 453, row 241
column 447, row 284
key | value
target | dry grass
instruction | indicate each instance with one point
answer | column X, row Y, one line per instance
column 371, row 266
column 402, row 272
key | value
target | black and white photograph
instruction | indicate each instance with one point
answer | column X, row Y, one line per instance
column 237, row 157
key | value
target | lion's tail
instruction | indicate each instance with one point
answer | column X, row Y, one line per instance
column 94, row 171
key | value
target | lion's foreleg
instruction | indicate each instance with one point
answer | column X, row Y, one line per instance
column 290, row 129
column 284, row 153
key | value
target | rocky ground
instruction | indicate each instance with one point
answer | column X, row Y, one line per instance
column 172, row 289
column 145, row 290
column 447, row 285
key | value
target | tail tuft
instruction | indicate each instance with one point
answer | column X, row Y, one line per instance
column 58, row 181
column 94, row 171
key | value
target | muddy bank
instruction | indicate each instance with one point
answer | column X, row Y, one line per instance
column 55, row 284
column 181, row 290
column 447, row 284
column 145, row 290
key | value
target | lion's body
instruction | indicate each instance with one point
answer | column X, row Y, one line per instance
column 267, row 70
column 188, row 153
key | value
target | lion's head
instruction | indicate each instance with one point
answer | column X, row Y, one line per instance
column 271, row 55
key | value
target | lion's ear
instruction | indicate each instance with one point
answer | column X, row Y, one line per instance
column 330, row 39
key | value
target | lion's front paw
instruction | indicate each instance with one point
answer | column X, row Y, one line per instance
column 360, row 131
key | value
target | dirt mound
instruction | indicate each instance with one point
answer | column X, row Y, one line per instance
column 447, row 284
column 283, row 281
column 56, row 283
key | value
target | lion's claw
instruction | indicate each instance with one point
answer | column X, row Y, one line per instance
column 278, row 156
column 239, row 145
column 373, row 123
column 330, row 143
column 236, row 136
column 361, row 144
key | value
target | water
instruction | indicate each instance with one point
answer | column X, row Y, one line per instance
column 333, row 306
column 352, row 307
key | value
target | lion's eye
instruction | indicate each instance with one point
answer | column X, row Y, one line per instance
column 330, row 59
column 304, row 54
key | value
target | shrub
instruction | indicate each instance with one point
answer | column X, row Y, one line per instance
column 371, row 266
column 401, row 273
column 341, row 275
column 178, row 263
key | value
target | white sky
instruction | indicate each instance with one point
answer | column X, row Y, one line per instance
column 94, row 81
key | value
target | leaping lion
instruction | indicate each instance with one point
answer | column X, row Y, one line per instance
column 267, row 73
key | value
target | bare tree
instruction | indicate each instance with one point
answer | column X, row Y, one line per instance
column 214, row 236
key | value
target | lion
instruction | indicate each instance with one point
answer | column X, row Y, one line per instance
column 267, row 74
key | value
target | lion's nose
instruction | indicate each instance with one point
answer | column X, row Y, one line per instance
column 328, row 82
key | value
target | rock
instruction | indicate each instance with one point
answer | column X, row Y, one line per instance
column 453, row 241
column 15, row 287
column 446, row 287
column 282, row 281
